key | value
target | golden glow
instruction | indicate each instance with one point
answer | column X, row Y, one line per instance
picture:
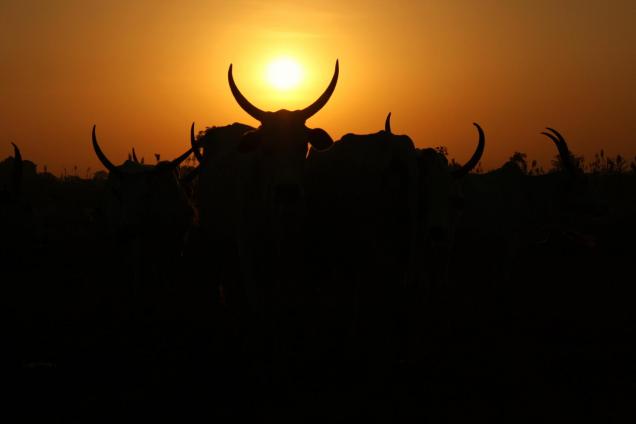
column 283, row 73
column 144, row 72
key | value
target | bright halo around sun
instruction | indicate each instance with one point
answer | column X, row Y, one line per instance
column 283, row 73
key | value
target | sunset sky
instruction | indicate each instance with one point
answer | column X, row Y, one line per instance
column 143, row 71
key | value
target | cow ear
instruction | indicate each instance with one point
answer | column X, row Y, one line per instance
column 250, row 141
column 319, row 139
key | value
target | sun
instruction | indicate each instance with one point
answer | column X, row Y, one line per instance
column 283, row 73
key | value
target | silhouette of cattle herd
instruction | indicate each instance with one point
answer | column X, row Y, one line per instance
column 285, row 260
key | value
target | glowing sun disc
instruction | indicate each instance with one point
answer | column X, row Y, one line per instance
column 283, row 73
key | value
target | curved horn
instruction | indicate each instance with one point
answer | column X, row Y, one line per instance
column 245, row 104
column 101, row 156
column 558, row 134
column 17, row 169
column 562, row 147
column 553, row 138
column 134, row 156
column 474, row 160
column 16, row 153
column 387, row 124
column 176, row 162
column 311, row 110
column 193, row 143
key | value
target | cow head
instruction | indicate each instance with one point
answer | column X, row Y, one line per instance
column 440, row 199
column 216, row 141
column 280, row 143
column 146, row 199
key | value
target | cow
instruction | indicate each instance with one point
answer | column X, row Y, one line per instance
column 367, row 174
column 377, row 210
column 12, row 217
column 569, row 191
column 266, row 168
column 364, row 188
column 12, row 180
column 148, row 213
column 260, row 169
column 361, row 203
column 18, row 226
column 440, row 207
column 252, row 202
column 215, row 193
column 218, row 145
column 507, row 210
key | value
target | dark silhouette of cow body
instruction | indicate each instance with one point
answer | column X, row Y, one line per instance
column 379, row 208
column 439, row 210
column 362, row 196
column 521, row 209
column 12, row 216
column 11, row 170
column 252, row 202
column 148, row 215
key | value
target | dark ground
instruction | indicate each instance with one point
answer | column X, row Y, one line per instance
column 544, row 333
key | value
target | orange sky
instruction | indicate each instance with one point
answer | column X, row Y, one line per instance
column 143, row 72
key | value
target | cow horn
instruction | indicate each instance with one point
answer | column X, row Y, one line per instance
column 245, row 104
column 101, row 156
column 17, row 156
column 554, row 139
column 562, row 147
column 176, row 162
column 311, row 110
column 17, row 169
column 134, row 156
column 387, row 124
column 474, row 160
column 193, row 143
